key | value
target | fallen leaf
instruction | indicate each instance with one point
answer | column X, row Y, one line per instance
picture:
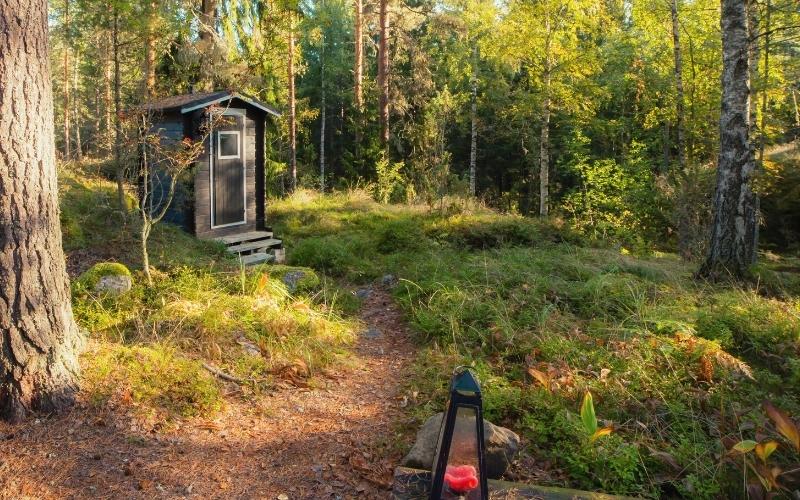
column 784, row 424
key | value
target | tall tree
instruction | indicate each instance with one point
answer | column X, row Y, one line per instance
column 67, row 109
column 383, row 74
column 473, row 118
column 149, row 61
column 358, row 64
column 323, row 107
column 734, row 231
column 292, row 104
column 38, row 336
column 208, row 30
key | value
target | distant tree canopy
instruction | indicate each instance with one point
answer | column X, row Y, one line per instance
column 573, row 99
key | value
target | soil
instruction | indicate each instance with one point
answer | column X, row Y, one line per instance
column 334, row 441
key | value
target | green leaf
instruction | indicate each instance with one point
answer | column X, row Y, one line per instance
column 745, row 446
column 588, row 417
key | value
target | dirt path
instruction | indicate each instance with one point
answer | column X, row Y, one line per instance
column 330, row 442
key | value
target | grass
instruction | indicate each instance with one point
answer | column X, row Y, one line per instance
column 676, row 366
column 148, row 346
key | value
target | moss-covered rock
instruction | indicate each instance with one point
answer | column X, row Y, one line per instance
column 296, row 279
column 111, row 277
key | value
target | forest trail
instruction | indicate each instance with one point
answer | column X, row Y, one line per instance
column 335, row 441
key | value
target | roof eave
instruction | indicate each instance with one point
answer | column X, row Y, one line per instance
column 231, row 95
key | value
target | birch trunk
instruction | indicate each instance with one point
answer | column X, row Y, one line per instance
column 544, row 150
column 39, row 340
column 732, row 247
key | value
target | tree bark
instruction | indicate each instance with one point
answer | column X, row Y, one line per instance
column 765, row 85
column 149, row 61
column 76, row 111
column 383, row 75
column 322, row 112
column 733, row 234
column 358, row 68
column 67, row 42
column 39, row 340
column 292, row 116
column 117, row 119
column 544, row 150
column 796, row 109
column 473, row 112
column 679, row 97
column 208, row 26
column 108, row 70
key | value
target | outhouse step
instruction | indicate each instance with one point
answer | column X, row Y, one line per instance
column 233, row 239
column 255, row 245
column 257, row 258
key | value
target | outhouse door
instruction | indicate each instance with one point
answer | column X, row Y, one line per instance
column 228, row 177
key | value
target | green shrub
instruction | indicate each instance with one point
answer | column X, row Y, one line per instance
column 400, row 235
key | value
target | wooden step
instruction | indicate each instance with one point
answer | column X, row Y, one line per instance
column 257, row 258
column 233, row 239
column 254, row 245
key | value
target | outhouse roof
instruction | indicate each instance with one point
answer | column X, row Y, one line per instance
column 190, row 102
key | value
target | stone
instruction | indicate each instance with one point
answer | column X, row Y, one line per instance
column 292, row 278
column 372, row 333
column 501, row 444
column 113, row 284
column 363, row 293
column 389, row 280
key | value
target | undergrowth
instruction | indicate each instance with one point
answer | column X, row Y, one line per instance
column 677, row 367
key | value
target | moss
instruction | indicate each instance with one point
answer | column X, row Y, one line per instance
column 89, row 279
column 153, row 377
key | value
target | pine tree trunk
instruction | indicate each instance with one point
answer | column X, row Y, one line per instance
column 75, row 110
column 383, row 75
column 358, row 72
column 67, row 137
column 108, row 136
column 208, row 26
column 322, row 113
column 358, row 68
column 292, row 117
column 117, row 119
column 544, row 151
column 473, row 112
column 149, row 62
column 39, row 340
column 733, row 234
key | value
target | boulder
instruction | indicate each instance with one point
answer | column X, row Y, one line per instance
column 110, row 278
column 389, row 280
column 113, row 284
column 292, row 278
column 502, row 445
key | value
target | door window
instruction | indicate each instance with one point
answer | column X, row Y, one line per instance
column 227, row 144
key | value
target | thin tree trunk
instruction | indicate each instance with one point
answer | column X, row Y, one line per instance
column 292, row 117
column 679, row 99
column 108, row 137
column 75, row 111
column 796, row 109
column 383, row 75
column 733, row 234
column 117, row 119
column 358, row 68
column 473, row 112
column 39, row 340
column 544, row 150
column 358, row 72
column 764, row 86
column 149, row 62
column 684, row 208
column 322, row 112
column 67, row 42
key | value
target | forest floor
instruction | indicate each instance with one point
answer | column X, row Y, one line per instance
column 331, row 441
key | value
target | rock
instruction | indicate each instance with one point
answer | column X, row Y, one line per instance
column 292, row 278
column 372, row 333
column 113, row 284
column 363, row 293
column 389, row 280
column 502, row 446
